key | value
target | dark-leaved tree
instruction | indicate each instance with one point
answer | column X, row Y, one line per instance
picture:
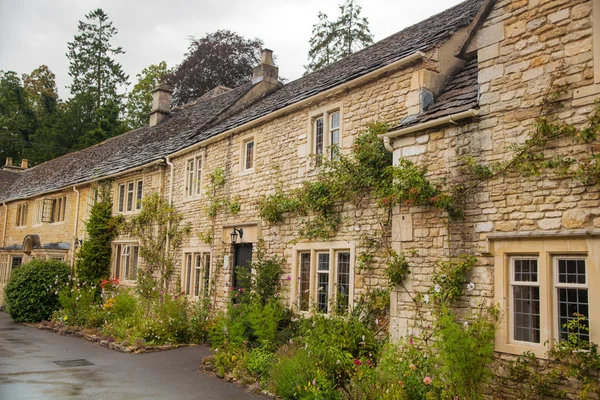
column 221, row 58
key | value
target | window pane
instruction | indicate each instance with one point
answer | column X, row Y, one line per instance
column 335, row 120
column 139, row 194
column 198, row 175
column 121, row 197
column 304, row 284
column 206, row 274
column 319, row 136
column 134, row 262
column 16, row 262
column 525, row 270
column 335, row 143
column 323, row 262
column 343, row 276
column 572, row 302
column 571, row 271
column 323, row 292
column 189, row 184
column 249, row 155
column 118, row 262
column 197, row 274
column 188, row 273
column 526, row 313
column 130, row 188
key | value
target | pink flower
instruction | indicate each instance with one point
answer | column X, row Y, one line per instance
column 235, row 306
column 289, row 278
column 410, row 340
column 357, row 362
column 427, row 380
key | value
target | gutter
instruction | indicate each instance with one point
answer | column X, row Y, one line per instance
column 449, row 119
column 5, row 221
column 416, row 56
column 76, row 225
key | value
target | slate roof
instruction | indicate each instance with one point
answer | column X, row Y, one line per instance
column 209, row 116
column 460, row 94
column 6, row 179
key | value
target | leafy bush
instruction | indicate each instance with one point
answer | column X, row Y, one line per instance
column 199, row 320
column 76, row 301
column 28, row 294
column 259, row 362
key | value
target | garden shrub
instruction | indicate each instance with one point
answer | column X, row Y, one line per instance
column 28, row 294
column 259, row 362
column 297, row 376
column 76, row 301
column 199, row 320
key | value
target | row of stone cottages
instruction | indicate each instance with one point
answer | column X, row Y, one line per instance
column 467, row 81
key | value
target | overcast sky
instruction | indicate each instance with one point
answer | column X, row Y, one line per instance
column 36, row 32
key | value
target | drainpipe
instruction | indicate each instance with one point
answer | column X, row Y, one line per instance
column 5, row 221
column 171, row 175
column 387, row 144
column 76, row 225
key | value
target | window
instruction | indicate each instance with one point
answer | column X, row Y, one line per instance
column 196, row 274
column 37, row 212
column 542, row 285
column 4, row 272
column 21, row 215
column 54, row 210
column 324, row 279
column 193, row 177
column 248, row 154
column 126, row 262
column 129, row 196
column 326, row 135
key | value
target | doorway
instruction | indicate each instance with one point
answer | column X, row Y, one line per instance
column 242, row 256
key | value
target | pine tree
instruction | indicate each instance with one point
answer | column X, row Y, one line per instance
column 93, row 68
column 352, row 30
column 332, row 41
column 322, row 44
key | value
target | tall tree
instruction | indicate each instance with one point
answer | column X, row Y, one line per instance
column 322, row 44
column 332, row 41
column 220, row 58
column 93, row 67
column 48, row 141
column 139, row 100
column 17, row 119
column 97, row 77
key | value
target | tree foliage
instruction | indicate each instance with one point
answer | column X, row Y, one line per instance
column 221, row 58
column 95, row 253
column 334, row 40
column 139, row 100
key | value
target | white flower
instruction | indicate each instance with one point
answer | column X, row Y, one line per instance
column 466, row 323
column 470, row 286
column 437, row 288
column 426, row 298
column 363, row 338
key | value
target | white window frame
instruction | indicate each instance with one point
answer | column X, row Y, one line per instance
column 196, row 272
column 548, row 250
column 512, row 284
column 130, row 194
column 325, row 114
column 245, row 158
column 38, row 211
column 4, row 272
column 125, row 251
column 193, row 177
column 333, row 249
column 557, row 285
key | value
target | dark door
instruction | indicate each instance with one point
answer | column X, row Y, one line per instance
column 241, row 265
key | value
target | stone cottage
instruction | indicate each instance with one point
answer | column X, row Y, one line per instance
column 468, row 81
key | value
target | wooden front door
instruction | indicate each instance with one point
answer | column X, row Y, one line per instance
column 241, row 265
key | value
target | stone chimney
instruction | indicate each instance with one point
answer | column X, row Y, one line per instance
column 24, row 163
column 266, row 71
column 161, row 104
column 8, row 166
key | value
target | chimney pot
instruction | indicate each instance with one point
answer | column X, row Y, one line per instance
column 9, row 162
column 161, row 104
column 266, row 57
column 24, row 163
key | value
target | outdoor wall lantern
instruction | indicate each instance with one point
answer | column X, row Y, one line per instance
column 234, row 234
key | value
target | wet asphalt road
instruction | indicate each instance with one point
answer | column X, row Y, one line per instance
column 28, row 371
